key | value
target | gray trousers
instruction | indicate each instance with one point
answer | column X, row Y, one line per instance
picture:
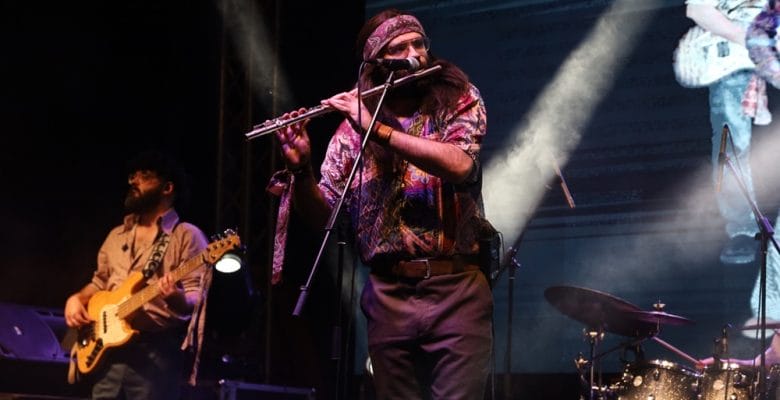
column 726, row 108
column 429, row 338
column 145, row 368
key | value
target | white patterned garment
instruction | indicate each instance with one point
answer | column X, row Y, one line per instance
column 737, row 10
column 745, row 11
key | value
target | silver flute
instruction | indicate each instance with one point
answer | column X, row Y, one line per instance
column 278, row 123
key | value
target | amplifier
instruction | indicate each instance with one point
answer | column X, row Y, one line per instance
column 238, row 390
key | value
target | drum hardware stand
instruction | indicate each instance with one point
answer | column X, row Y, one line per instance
column 580, row 362
column 510, row 263
column 765, row 235
column 721, row 344
column 634, row 345
column 594, row 337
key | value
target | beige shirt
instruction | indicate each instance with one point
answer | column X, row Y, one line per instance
column 116, row 261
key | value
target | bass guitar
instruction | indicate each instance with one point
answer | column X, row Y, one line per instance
column 110, row 310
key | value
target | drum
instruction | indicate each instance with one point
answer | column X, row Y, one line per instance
column 729, row 381
column 656, row 380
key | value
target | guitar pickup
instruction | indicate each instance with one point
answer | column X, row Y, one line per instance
column 94, row 353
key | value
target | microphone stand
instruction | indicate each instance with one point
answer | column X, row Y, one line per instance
column 337, row 208
column 766, row 233
column 336, row 348
column 511, row 263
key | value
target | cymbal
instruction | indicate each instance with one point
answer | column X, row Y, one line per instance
column 599, row 310
column 769, row 325
column 658, row 317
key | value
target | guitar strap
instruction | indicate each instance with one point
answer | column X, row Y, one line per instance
column 73, row 375
column 155, row 259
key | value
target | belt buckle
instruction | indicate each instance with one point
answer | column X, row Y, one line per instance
column 427, row 266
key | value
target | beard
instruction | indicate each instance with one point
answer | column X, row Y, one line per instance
column 414, row 92
column 139, row 202
column 379, row 73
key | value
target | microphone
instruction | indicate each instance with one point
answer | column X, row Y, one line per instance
column 722, row 157
column 410, row 63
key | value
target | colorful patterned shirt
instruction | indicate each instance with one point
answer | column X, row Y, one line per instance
column 399, row 211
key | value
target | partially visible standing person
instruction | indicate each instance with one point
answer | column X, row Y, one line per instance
column 737, row 99
column 150, row 365
column 761, row 45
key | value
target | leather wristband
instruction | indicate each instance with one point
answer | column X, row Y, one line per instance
column 382, row 133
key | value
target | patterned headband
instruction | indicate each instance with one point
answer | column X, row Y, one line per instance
column 389, row 30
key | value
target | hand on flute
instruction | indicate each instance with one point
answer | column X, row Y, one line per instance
column 347, row 103
column 296, row 146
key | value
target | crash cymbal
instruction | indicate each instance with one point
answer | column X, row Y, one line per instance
column 658, row 317
column 599, row 310
column 769, row 325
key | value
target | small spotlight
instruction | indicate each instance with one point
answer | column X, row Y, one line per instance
column 229, row 263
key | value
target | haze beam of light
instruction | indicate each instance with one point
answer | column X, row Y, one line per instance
column 692, row 232
column 244, row 25
column 515, row 180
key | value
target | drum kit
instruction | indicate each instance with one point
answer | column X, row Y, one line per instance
column 648, row 379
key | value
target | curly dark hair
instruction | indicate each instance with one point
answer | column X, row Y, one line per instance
column 167, row 169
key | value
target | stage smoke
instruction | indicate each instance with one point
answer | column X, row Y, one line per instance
column 516, row 180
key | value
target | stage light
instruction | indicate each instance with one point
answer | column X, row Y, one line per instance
column 229, row 263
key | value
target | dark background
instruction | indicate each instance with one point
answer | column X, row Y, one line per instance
column 85, row 86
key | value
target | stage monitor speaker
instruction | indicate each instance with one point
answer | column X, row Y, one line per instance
column 28, row 333
column 237, row 390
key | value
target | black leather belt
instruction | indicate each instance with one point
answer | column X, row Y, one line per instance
column 424, row 268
